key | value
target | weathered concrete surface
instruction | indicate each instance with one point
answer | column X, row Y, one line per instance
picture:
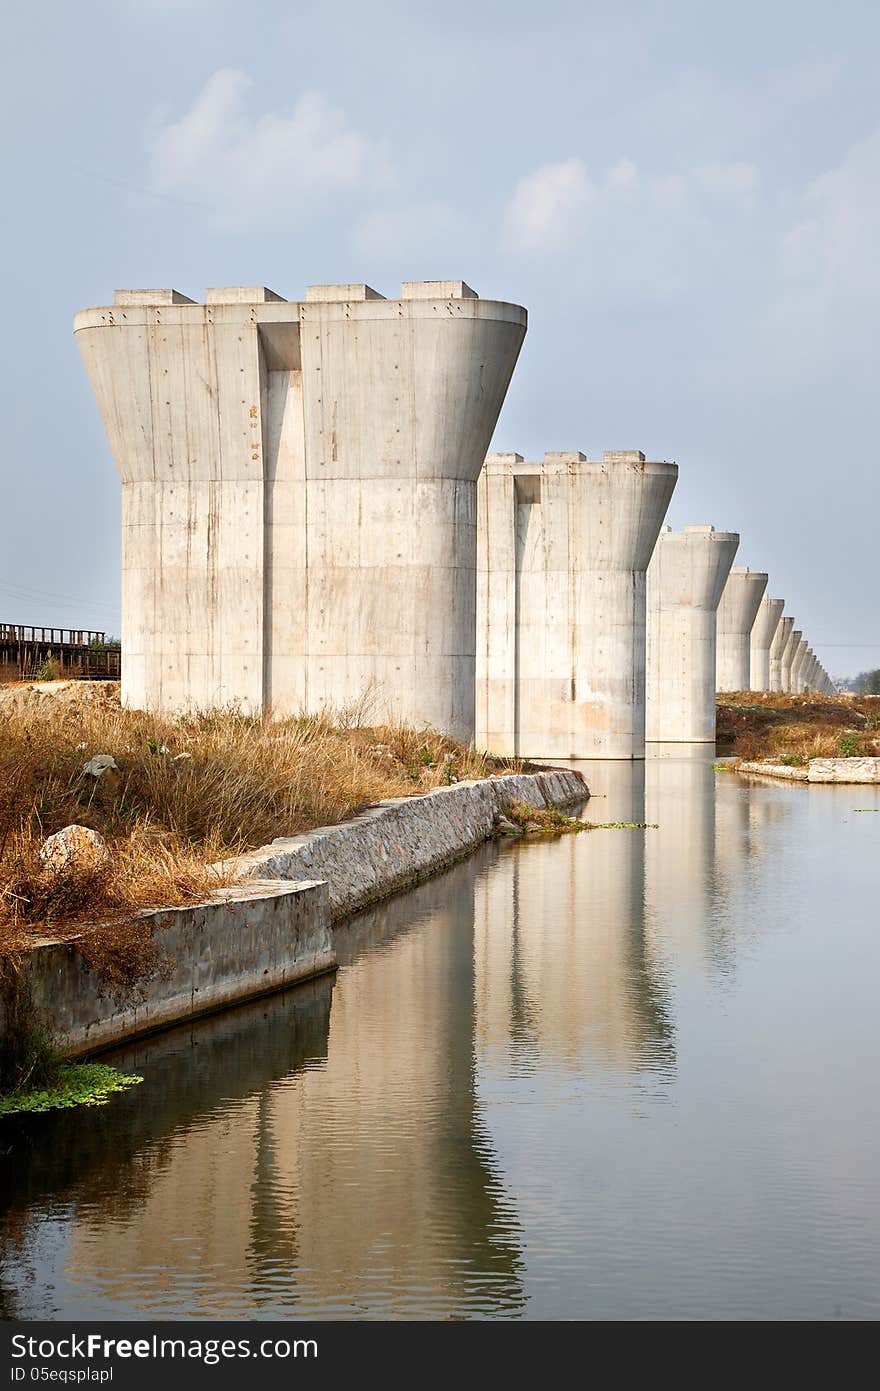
column 777, row 648
column 686, row 577
column 845, row 770
column 563, row 547
column 788, row 656
column 736, row 614
column 402, row 840
column 299, row 492
column 243, row 942
column 763, row 632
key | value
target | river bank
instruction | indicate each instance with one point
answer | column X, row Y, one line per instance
column 614, row 1075
column 274, row 927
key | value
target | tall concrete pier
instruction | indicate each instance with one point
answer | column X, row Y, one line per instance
column 763, row 632
column 777, row 648
column 562, row 553
column 797, row 664
column 686, row 577
column 808, row 676
column 788, row 656
column 299, row 492
column 736, row 613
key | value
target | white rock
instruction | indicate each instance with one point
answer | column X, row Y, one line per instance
column 74, row 848
column 100, row 764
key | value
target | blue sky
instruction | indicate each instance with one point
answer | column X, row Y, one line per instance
column 686, row 196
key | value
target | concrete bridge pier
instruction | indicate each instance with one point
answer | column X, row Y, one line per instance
column 777, row 648
column 788, row 656
column 797, row 666
column 299, row 492
column 686, row 577
column 563, row 547
column 761, row 640
column 736, row 614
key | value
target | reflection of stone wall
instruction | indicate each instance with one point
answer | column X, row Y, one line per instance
column 361, row 1178
column 173, row 1156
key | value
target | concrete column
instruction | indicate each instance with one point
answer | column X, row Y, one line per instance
column 810, row 678
column 797, row 664
column 777, row 648
column 299, row 492
column 562, row 553
column 686, row 577
column 736, row 613
column 788, row 656
column 761, row 639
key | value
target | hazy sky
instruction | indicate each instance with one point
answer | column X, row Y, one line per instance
column 686, row 197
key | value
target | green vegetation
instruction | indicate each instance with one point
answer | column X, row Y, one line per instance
column 850, row 746
column 792, row 760
column 48, row 671
column 547, row 821
column 75, row 1084
column 867, row 682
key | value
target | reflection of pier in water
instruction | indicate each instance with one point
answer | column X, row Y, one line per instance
column 293, row 1158
column 561, row 964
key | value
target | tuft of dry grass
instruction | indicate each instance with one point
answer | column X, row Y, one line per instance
column 191, row 791
column 775, row 726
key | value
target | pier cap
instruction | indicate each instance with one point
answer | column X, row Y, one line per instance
column 336, row 294
column 150, row 298
column 242, row 294
column 437, row 289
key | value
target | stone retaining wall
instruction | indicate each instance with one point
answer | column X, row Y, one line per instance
column 275, row 928
column 841, row 770
column 774, row 770
column 399, row 841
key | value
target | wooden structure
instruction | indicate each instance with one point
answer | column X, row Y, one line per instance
column 65, row 652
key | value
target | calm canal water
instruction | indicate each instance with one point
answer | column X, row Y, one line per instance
column 628, row 1074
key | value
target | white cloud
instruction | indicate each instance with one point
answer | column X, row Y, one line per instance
column 548, row 208
column 737, row 180
column 551, row 208
column 823, row 313
column 247, row 164
column 623, row 179
column 393, row 231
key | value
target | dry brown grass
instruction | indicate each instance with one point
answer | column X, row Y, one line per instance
column 192, row 791
column 753, row 725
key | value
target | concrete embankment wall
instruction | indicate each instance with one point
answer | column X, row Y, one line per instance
column 273, row 929
column 243, row 942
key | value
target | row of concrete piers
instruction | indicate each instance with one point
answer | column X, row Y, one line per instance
column 310, row 518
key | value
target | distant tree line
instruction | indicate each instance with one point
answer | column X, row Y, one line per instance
column 866, row 683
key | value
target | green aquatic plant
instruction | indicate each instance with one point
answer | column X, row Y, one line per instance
column 75, row 1084
column 547, row 821
column 620, row 825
